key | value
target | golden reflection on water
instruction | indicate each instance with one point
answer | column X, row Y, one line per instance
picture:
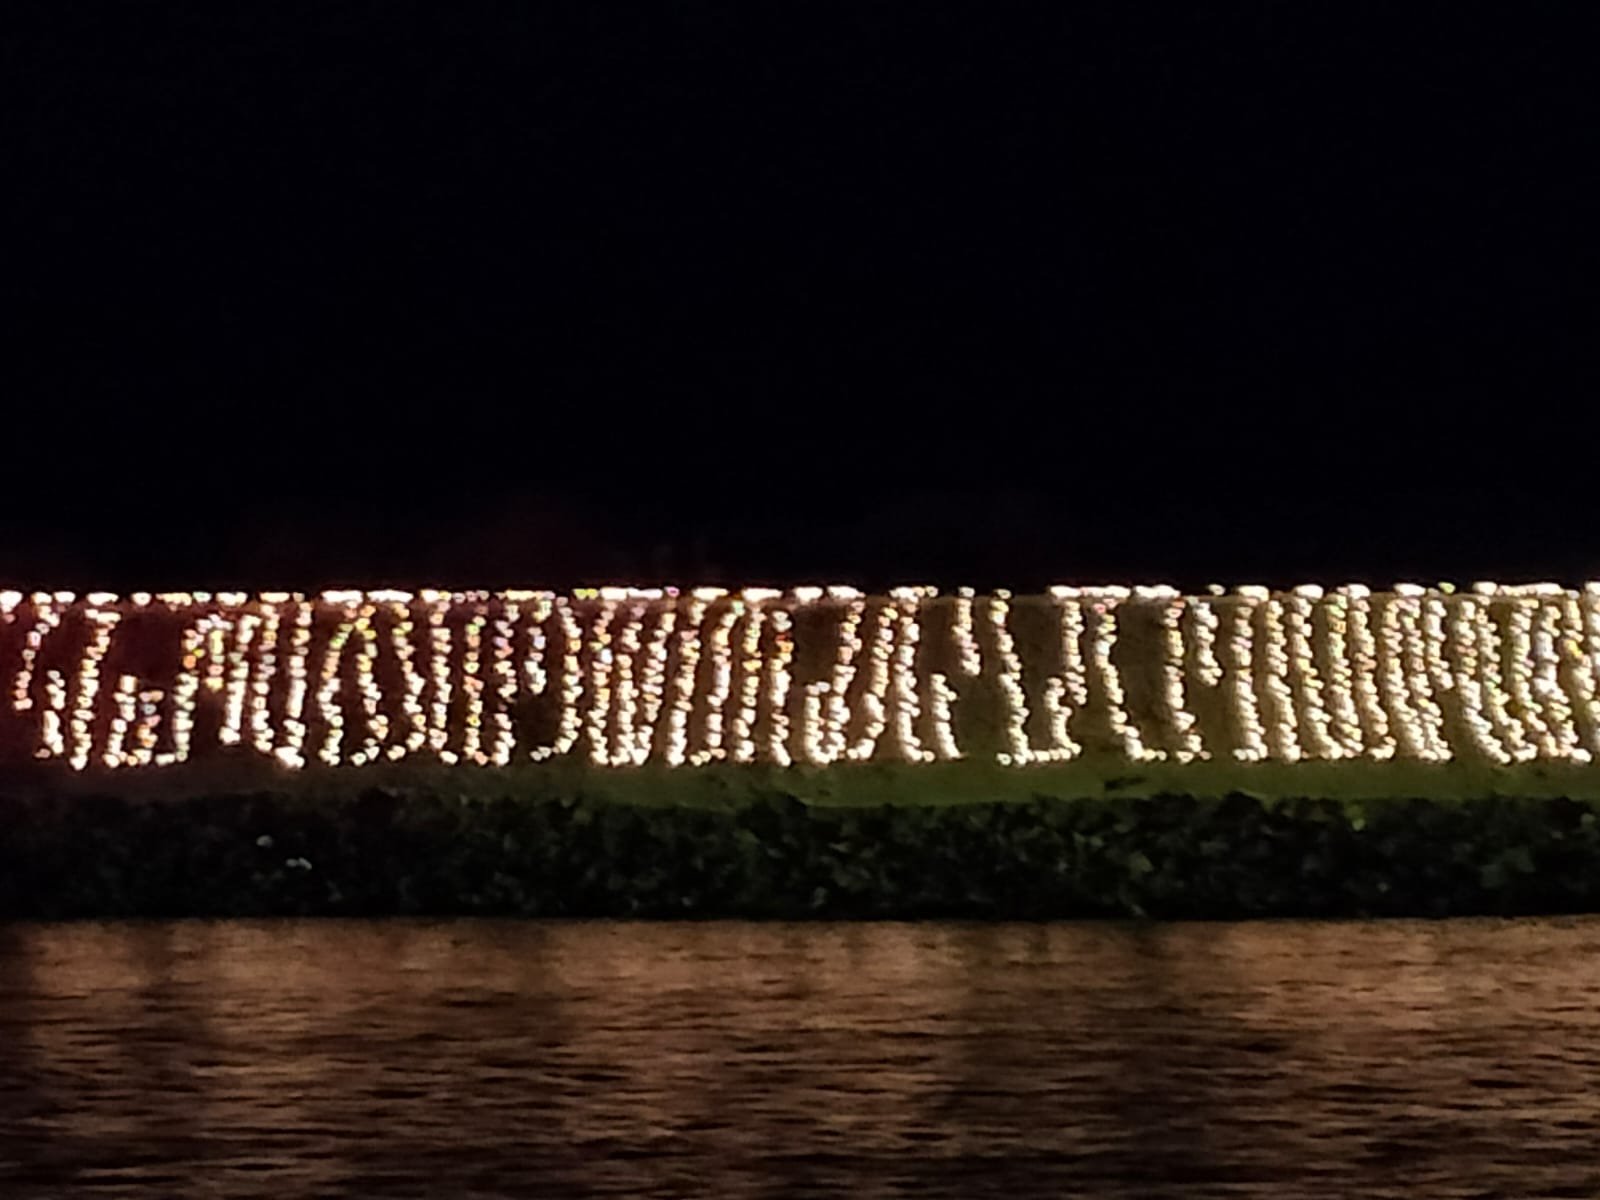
column 483, row 1058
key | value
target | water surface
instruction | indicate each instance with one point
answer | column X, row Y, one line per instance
column 397, row 1059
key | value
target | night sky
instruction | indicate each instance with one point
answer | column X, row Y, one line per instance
column 538, row 295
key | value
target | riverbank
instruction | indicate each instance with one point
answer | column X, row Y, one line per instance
column 953, row 841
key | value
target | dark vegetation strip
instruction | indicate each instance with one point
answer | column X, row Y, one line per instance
column 382, row 852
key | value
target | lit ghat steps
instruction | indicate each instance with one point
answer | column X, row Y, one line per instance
column 619, row 677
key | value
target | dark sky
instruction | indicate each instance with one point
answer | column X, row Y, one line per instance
column 543, row 294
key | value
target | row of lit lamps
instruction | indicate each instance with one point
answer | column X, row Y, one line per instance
column 1379, row 691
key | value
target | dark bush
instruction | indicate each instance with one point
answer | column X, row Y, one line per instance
column 382, row 852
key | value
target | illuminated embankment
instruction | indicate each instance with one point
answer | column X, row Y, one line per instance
column 619, row 677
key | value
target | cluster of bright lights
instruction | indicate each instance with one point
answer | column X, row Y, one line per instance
column 1068, row 692
column 184, row 695
column 941, row 696
column 1406, row 604
column 472, row 685
column 1378, row 739
column 1244, row 708
column 904, row 692
column 46, row 618
column 1477, row 684
column 1580, row 629
column 1181, row 724
column 443, row 684
column 266, row 669
column 872, row 703
column 355, row 614
column 1008, row 675
column 749, row 664
column 599, row 706
column 1019, row 749
column 1103, row 602
column 101, row 622
column 414, row 717
column 652, row 689
column 779, row 679
column 683, row 683
column 291, row 752
column 505, row 682
column 55, row 690
column 625, row 728
column 234, row 668
column 711, row 748
column 1277, row 701
column 1306, row 681
column 826, row 712
column 1204, row 626
column 1547, row 689
column 1340, row 691
column 627, row 677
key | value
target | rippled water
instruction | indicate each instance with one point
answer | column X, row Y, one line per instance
column 730, row 1060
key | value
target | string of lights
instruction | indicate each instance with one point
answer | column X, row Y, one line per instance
column 1494, row 673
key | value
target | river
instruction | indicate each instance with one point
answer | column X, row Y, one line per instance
column 476, row 1058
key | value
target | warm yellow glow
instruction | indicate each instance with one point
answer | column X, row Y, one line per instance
column 818, row 675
